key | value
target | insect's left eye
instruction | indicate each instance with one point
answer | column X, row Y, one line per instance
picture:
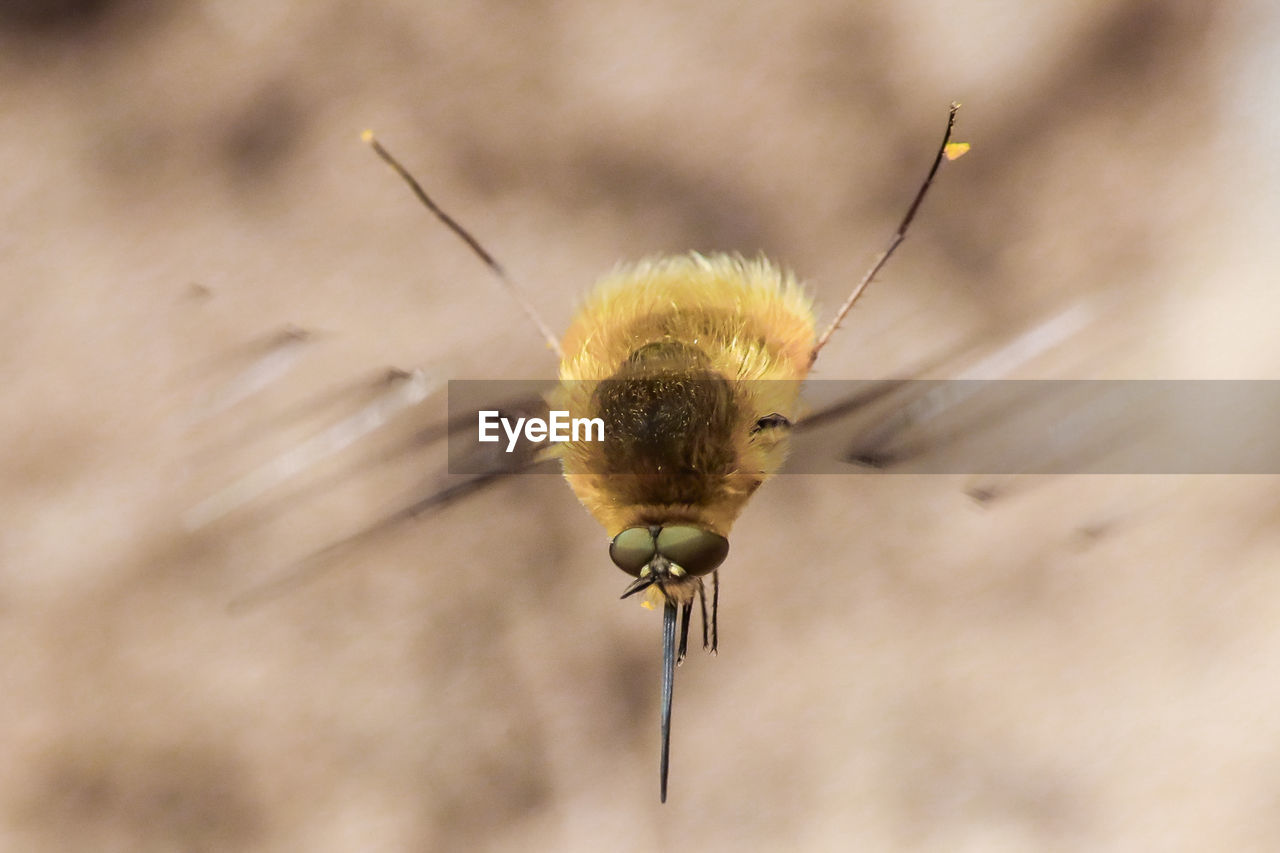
column 771, row 421
column 693, row 549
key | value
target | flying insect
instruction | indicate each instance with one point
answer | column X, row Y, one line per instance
column 694, row 364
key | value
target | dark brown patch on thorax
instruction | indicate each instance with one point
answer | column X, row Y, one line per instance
column 668, row 422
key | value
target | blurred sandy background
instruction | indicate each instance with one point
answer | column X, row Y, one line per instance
column 1087, row 663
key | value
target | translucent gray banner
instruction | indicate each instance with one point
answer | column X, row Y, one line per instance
column 917, row 426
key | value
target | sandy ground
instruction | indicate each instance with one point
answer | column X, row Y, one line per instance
column 203, row 267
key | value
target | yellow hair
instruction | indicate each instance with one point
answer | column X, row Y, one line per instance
column 749, row 317
column 745, row 321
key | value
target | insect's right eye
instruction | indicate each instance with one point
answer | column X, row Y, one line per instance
column 632, row 549
column 770, row 422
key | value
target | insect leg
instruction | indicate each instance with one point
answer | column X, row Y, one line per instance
column 897, row 238
column 715, row 606
column 553, row 343
column 685, row 612
column 702, row 600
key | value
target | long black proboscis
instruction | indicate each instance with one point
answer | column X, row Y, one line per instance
column 668, row 682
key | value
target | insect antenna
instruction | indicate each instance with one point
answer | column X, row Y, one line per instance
column 638, row 585
column 897, row 237
column 472, row 243
column 668, row 682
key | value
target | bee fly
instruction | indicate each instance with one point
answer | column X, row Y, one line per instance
column 693, row 364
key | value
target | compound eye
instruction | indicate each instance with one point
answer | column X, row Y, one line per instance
column 632, row 549
column 693, row 549
column 772, row 421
